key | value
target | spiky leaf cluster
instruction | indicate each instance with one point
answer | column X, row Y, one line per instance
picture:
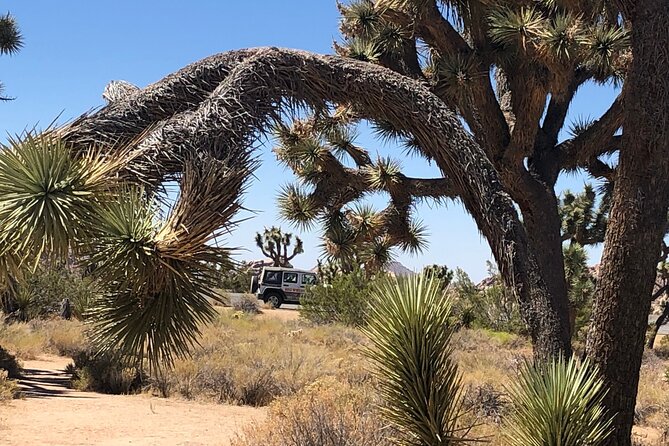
column 318, row 150
column 558, row 403
column 11, row 40
column 369, row 36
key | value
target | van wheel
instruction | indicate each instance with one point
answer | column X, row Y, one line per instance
column 274, row 299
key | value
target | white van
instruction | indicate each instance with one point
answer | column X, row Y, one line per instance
column 277, row 285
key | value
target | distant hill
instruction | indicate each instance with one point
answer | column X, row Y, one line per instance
column 398, row 270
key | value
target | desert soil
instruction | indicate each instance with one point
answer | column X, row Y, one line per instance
column 51, row 414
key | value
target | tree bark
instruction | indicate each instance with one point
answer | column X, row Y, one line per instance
column 543, row 226
column 637, row 221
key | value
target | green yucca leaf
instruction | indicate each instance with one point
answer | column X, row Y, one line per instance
column 606, row 50
column 391, row 39
column 365, row 220
column 516, row 29
column 297, row 206
column 416, row 239
column 161, row 276
column 48, row 196
column 377, row 254
column 455, row 76
column 363, row 49
column 360, row 18
column 384, row 175
column 562, row 37
column 412, row 355
column 558, row 403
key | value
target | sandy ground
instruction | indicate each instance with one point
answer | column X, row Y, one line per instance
column 52, row 414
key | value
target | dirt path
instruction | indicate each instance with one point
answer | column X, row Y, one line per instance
column 52, row 414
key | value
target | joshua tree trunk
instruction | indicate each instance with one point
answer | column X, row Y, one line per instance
column 638, row 218
column 543, row 229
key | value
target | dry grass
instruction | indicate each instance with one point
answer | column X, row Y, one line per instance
column 245, row 359
column 325, row 413
column 316, row 377
column 30, row 340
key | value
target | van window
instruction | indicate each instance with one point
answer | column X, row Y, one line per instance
column 289, row 277
column 272, row 277
column 308, row 279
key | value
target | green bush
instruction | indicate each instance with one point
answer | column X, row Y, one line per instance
column 492, row 307
column 40, row 293
column 557, row 403
column 104, row 373
column 237, row 279
column 345, row 300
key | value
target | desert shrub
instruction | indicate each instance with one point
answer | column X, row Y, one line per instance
column 558, row 402
column 325, row 413
column 412, row 354
column 8, row 387
column 252, row 361
column 486, row 402
column 104, row 373
column 492, row 306
column 345, row 300
column 247, row 304
column 9, row 364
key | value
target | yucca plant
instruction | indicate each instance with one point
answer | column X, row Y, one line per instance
column 163, row 273
column 157, row 275
column 412, row 355
column 558, row 403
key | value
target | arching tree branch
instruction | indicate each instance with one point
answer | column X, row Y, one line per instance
column 246, row 100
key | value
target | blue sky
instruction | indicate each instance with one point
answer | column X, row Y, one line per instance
column 74, row 48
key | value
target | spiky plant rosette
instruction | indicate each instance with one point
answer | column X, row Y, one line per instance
column 48, row 196
column 161, row 275
column 557, row 403
column 412, row 357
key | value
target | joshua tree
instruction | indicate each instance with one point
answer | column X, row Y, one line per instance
column 11, row 41
column 540, row 52
column 637, row 221
column 274, row 245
